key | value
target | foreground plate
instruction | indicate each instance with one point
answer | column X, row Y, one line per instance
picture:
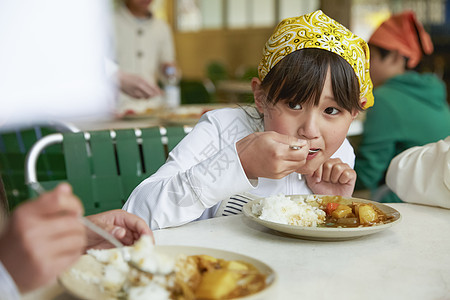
column 77, row 286
column 322, row 233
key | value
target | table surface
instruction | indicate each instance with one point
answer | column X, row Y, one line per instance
column 183, row 115
column 237, row 86
column 407, row 261
column 410, row 260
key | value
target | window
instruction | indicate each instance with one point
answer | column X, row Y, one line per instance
column 194, row 15
column 367, row 15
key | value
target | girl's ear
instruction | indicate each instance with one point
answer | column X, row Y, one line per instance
column 258, row 94
column 355, row 112
column 363, row 101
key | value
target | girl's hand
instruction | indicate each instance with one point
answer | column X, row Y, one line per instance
column 267, row 154
column 332, row 178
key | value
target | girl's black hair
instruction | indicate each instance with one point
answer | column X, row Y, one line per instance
column 384, row 52
column 300, row 76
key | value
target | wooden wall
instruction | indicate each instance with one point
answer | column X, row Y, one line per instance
column 234, row 48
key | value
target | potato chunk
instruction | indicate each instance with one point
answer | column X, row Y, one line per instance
column 235, row 266
column 341, row 211
column 207, row 258
column 217, row 284
column 367, row 215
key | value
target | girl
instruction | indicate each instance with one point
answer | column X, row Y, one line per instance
column 313, row 81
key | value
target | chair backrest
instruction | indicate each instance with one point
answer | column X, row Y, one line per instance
column 4, row 207
column 105, row 166
column 14, row 146
column 174, row 135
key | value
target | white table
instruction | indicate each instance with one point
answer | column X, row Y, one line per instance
column 410, row 260
column 158, row 119
column 356, row 128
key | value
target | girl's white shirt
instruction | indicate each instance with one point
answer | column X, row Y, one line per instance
column 8, row 288
column 204, row 169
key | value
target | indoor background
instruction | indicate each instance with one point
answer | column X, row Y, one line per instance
column 223, row 39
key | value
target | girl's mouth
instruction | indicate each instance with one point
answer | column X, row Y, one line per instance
column 312, row 153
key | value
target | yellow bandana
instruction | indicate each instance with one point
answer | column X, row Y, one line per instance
column 317, row 30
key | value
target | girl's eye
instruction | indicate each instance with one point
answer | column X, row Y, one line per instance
column 293, row 105
column 331, row 110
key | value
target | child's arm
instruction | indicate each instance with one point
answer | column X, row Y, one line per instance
column 202, row 170
column 422, row 174
column 333, row 178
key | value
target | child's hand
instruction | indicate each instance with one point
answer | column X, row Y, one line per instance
column 332, row 178
column 44, row 237
column 267, row 154
column 125, row 227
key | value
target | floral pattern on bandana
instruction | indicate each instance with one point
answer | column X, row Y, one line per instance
column 317, row 30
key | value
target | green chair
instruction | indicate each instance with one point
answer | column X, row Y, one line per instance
column 105, row 166
column 4, row 206
column 174, row 135
column 14, row 146
column 194, row 91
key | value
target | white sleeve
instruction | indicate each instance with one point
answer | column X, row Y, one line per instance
column 202, row 170
column 422, row 174
column 8, row 289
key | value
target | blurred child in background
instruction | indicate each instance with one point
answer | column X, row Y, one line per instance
column 410, row 108
column 144, row 48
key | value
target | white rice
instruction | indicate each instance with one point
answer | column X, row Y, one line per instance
column 115, row 269
column 117, row 275
column 143, row 254
column 151, row 291
column 301, row 211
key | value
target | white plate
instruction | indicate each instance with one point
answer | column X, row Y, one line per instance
column 323, row 233
column 188, row 114
column 82, row 289
column 139, row 116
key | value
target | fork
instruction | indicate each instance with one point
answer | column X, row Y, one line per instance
column 37, row 187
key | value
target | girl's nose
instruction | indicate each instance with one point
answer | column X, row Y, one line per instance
column 309, row 128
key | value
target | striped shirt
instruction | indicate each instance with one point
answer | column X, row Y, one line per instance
column 234, row 204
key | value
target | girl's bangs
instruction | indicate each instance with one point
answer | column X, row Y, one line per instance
column 300, row 77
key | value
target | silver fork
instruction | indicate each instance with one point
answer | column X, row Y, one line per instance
column 37, row 187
